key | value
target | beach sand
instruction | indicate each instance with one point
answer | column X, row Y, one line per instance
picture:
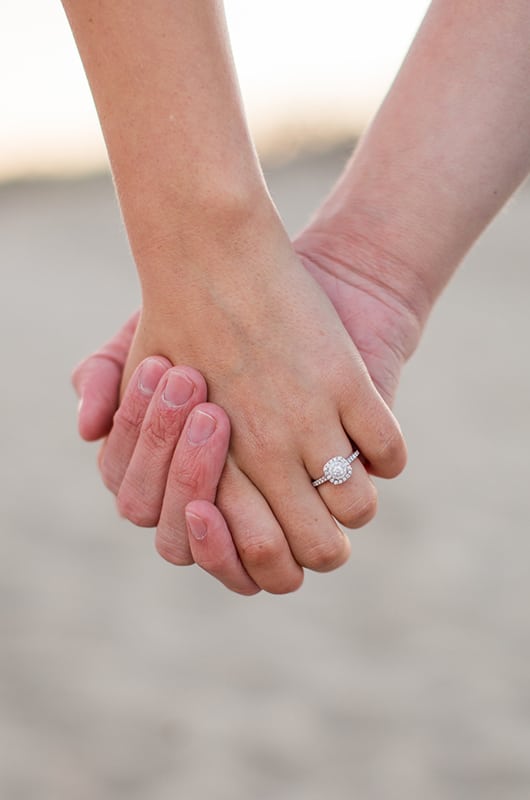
column 403, row 675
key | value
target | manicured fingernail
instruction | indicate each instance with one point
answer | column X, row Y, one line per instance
column 196, row 526
column 150, row 374
column 178, row 389
column 201, row 427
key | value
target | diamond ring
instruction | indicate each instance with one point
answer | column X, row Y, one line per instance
column 337, row 470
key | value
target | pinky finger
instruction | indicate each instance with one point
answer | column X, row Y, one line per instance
column 213, row 549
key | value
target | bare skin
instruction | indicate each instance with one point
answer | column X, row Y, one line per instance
column 295, row 390
column 215, row 262
column 448, row 147
column 134, row 457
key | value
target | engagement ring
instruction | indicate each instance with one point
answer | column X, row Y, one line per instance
column 337, row 470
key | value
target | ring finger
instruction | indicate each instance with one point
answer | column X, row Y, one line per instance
column 348, row 493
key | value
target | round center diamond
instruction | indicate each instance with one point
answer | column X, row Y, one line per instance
column 337, row 470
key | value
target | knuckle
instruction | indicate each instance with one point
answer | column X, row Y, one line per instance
column 188, row 480
column 260, row 553
column 129, row 416
column 361, row 510
column 172, row 548
column 136, row 510
column 156, row 429
column 245, row 591
column 393, row 454
column 286, row 585
column 327, row 555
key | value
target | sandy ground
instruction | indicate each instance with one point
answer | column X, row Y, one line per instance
column 404, row 675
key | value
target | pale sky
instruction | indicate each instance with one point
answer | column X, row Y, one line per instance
column 300, row 62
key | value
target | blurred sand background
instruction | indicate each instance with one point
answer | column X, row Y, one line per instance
column 405, row 674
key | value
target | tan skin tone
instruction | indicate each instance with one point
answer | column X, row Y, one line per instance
column 448, row 147
column 224, row 291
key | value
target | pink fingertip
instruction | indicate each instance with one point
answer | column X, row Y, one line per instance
column 201, row 427
column 196, row 526
column 149, row 376
column 92, row 421
column 178, row 390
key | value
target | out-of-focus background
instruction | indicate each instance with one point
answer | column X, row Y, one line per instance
column 405, row 674
column 309, row 71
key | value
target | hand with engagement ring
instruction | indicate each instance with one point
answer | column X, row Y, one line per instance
column 210, row 541
column 150, row 435
column 223, row 291
column 409, row 214
column 287, row 420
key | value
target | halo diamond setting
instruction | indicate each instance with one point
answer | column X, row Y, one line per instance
column 337, row 470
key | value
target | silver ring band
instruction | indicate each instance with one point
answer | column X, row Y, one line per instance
column 337, row 470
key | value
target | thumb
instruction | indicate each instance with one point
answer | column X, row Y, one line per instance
column 97, row 382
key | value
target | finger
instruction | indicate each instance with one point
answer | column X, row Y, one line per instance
column 97, row 381
column 354, row 502
column 314, row 538
column 194, row 473
column 371, row 425
column 258, row 537
column 213, row 549
column 119, row 447
column 141, row 492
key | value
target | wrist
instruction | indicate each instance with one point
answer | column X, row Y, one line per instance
column 371, row 260
column 209, row 242
column 170, row 228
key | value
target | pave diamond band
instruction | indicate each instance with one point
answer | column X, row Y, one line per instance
column 337, row 470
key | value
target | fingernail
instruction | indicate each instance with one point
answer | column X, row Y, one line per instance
column 150, row 373
column 196, row 526
column 178, row 390
column 201, row 427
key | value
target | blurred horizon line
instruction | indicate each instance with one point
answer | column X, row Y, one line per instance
column 280, row 145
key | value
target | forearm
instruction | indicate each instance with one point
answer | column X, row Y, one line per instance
column 450, row 144
column 164, row 85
